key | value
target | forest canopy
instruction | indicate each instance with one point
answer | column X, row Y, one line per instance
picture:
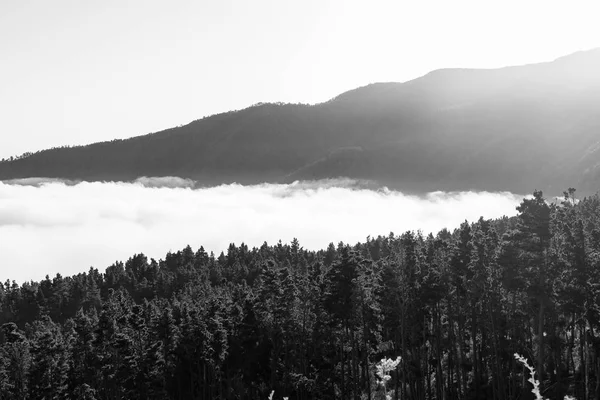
column 454, row 307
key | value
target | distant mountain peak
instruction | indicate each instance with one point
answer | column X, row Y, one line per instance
column 582, row 54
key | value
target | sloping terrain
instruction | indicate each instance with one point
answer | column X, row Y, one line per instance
column 514, row 128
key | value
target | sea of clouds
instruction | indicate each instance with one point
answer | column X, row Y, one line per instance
column 54, row 226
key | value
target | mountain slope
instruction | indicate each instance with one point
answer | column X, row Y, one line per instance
column 513, row 128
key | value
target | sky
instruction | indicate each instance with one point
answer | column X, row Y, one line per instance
column 79, row 71
column 53, row 227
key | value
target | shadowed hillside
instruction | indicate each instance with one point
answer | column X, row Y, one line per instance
column 453, row 129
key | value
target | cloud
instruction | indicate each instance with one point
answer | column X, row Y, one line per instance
column 171, row 182
column 51, row 226
column 39, row 181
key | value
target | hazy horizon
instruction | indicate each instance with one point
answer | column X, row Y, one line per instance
column 55, row 227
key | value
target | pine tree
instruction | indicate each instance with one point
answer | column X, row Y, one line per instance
column 49, row 361
column 16, row 359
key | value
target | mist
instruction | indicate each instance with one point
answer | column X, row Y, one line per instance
column 49, row 226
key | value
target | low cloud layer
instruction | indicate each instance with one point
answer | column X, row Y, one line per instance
column 49, row 226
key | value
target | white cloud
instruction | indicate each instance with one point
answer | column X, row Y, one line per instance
column 50, row 227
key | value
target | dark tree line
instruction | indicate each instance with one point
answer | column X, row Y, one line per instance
column 312, row 325
column 31, row 153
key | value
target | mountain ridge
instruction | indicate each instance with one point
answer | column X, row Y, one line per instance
column 512, row 128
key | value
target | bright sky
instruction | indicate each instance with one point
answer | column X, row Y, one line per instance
column 80, row 71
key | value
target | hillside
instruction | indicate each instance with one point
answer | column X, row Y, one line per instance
column 314, row 325
column 511, row 128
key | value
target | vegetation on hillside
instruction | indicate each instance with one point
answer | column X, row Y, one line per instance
column 455, row 306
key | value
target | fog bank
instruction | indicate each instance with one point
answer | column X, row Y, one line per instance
column 51, row 226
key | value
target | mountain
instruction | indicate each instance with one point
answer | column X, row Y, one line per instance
column 513, row 128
